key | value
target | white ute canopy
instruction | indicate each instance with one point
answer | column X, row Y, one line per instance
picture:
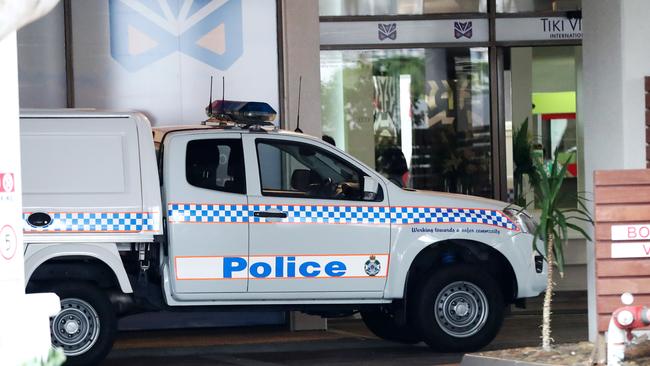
column 82, row 177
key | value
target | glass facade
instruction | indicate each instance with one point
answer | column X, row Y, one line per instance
column 399, row 7
column 516, row 6
column 423, row 111
column 430, row 104
column 419, row 7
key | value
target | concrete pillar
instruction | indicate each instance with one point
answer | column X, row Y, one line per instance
column 41, row 62
column 25, row 326
column 12, row 277
column 301, row 56
column 615, row 61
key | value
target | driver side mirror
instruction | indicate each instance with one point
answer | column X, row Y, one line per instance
column 370, row 188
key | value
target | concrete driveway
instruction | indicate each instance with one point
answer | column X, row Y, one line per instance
column 347, row 342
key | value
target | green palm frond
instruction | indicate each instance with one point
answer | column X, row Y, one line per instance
column 553, row 229
column 554, row 220
column 522, row 157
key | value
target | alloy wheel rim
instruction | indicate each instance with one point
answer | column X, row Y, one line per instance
column 461, row 309
column 75, row 328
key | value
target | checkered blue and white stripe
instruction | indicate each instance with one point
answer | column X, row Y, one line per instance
column 441, row 215
column 93, row 222
column 328, row 214
column 207, row 213
column 325, row 214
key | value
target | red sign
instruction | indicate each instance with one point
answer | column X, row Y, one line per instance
column 7, row 182
column 552, row 116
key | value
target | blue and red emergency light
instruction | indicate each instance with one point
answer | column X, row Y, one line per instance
column 241, row 112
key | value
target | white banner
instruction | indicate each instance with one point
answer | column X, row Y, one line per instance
column 158, row 56
column 408, row 31
column 538, row 29
column 631, row 250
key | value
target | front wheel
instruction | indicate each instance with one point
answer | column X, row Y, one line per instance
column 459, row 309
column 86, row 325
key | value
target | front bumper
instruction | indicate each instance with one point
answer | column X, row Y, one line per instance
column 532, row 269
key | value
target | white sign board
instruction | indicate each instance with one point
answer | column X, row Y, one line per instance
column 538, row 29
column 631, row 250
column 631, row 232
column 637, row 241
column 158, row 56
column 400, row 32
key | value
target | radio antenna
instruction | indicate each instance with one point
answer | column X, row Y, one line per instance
column 210, row 104
column 223, row 92
column 298, row 115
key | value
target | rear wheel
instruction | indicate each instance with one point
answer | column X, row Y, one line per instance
column 383, row 324
column 86, row 325
column 459, row 308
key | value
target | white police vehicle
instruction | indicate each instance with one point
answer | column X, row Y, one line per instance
column 232, row 216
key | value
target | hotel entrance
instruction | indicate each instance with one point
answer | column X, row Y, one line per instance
column 433, row 94
column 452, row 98
column 429, row 105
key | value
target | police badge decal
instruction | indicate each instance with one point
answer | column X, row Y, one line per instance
column 372, row 266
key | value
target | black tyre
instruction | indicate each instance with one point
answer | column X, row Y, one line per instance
column 384, row 325
column 86, row 325
column 458, row 309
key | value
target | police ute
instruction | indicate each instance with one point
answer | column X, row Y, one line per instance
column 235, row 214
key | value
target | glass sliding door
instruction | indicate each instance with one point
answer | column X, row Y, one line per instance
column 399, row 7
column 540, row 93
column 518, row 6
column 429, row 105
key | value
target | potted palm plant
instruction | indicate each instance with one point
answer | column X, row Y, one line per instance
column 554, row 225
column 550, row 236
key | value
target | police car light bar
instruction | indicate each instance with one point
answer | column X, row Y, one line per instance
column 247, row 113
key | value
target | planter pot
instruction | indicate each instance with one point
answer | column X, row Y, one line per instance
column 478, row 360
column 563, row 354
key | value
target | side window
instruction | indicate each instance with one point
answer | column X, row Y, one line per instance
column 301, row 170
column 216, row 164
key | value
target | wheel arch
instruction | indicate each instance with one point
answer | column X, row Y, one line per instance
column 466, row 251
column 101, row 263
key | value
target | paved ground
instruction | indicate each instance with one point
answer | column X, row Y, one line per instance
column 347, row 342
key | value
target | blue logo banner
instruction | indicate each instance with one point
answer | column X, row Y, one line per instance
column 145, row 31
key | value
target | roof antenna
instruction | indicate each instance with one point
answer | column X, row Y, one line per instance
column 223, row 93
column 210, row 105
column 298, row 130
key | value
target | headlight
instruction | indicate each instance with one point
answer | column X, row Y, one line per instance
column 523, row 219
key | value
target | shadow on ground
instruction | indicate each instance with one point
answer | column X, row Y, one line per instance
column 347, row 342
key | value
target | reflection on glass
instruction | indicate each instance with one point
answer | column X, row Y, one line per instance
column 430, row 104
column 399, row 7
column 543, row 78
column 516, row 6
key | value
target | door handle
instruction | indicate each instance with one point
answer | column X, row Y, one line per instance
column 270, row 214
